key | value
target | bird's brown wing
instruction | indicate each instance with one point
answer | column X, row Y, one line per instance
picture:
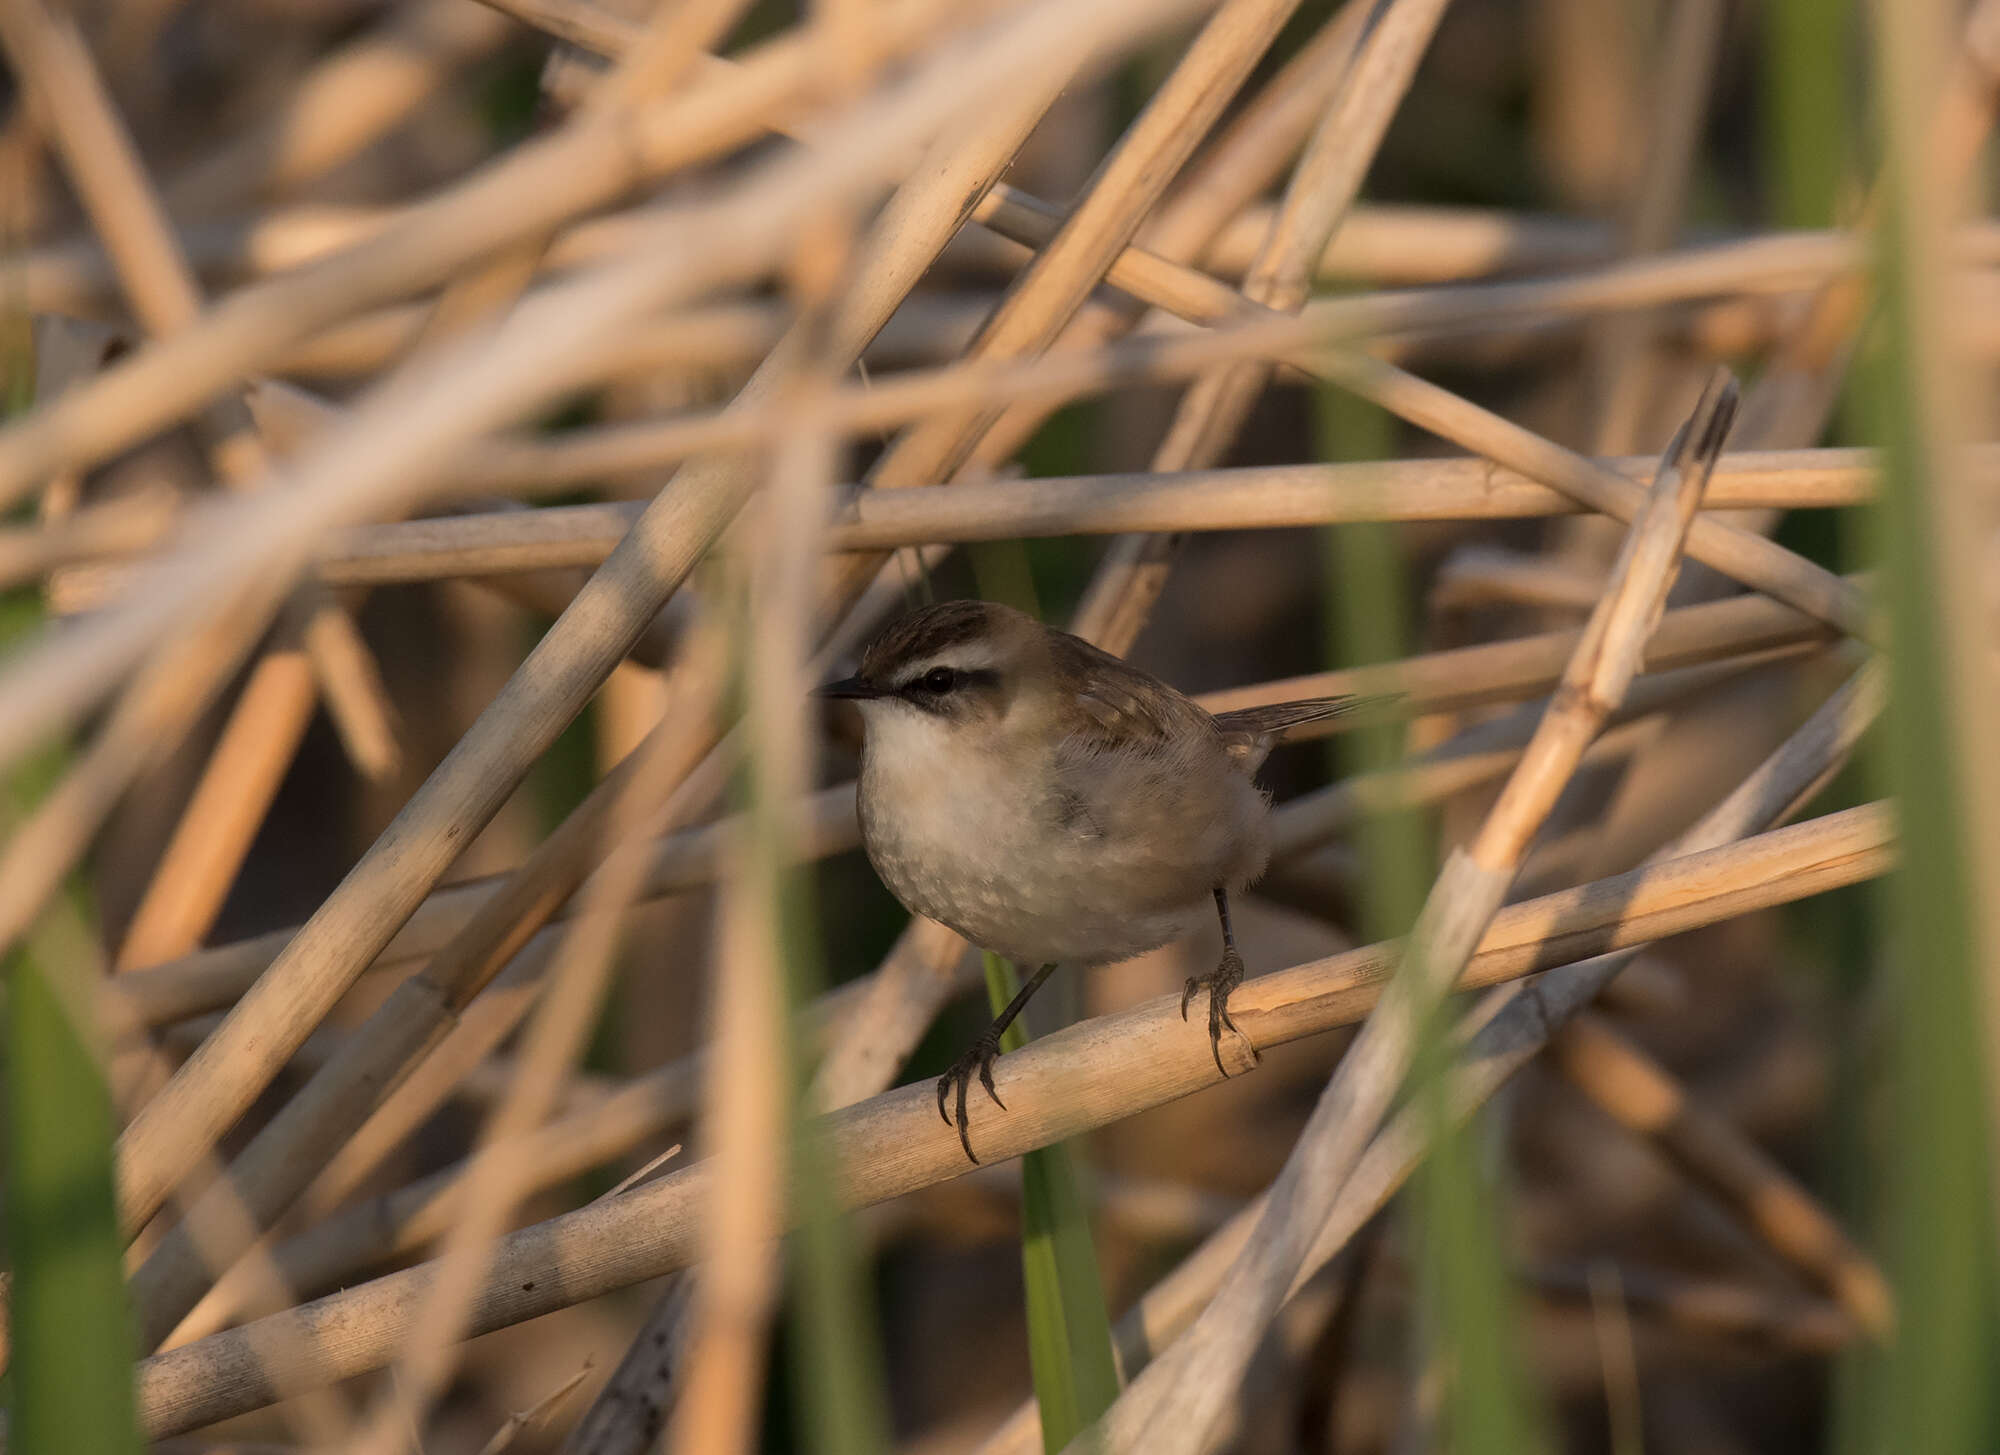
column 1117, row 706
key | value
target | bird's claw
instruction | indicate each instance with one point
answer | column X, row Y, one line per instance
column 1226, row 977
column 978, row 1057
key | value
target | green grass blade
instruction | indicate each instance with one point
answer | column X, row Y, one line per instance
column 70, row 1382
column 1468, row 1308
column 1069, row 1328
column 831, row 1332
column 1936, row 1389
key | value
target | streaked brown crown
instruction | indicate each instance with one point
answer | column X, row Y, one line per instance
column 924, row 635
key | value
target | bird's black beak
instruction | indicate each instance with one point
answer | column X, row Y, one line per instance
column 854, row 687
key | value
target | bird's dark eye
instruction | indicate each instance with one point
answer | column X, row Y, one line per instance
column 939, row 679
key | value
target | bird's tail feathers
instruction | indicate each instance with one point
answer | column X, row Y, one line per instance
column 1254, row 731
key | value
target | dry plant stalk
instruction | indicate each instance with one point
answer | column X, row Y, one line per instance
column 1259, row 497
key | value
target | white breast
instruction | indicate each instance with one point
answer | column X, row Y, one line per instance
column 970, row 837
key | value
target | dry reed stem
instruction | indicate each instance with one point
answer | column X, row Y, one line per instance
column 537, row 1413
column 399, row 438
column 916, row 978
column 229, row 803
column 1177, row 1401
column 1080, row 248
column 1508, row 1028
column 49, row 57
column 98, row 153
column 1265, row 497
column 598, row 30
column 545, row 465
column 336, row 1248
column 1623, row 366
column 165, row 696
column 1059, row 1086
column 1477, row 753
column 1229, row 177
column 212, row 978
column 1646, row 1098
column 749, row 1076
column 1392, row 245
column 1237, row 167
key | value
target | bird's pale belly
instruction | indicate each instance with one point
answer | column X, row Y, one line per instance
column 1054, row 912
column 995, row 870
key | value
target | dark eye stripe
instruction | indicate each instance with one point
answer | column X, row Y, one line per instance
column 920, row 691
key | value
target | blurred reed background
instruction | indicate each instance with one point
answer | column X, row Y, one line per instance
column 446, row 1006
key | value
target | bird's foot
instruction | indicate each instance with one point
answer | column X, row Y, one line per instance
column 1226, row 977
column 979, row 1057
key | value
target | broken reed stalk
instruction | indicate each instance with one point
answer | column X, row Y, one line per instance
column 1060, row 1085
column 478, row 383
column 1175, row 1403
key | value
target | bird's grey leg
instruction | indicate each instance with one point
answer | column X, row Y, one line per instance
column 980, row 1058
column 1228, row 975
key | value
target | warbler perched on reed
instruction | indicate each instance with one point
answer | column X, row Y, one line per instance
column 1054, row 804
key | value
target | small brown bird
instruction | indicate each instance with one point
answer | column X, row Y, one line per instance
column 1054, row 804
